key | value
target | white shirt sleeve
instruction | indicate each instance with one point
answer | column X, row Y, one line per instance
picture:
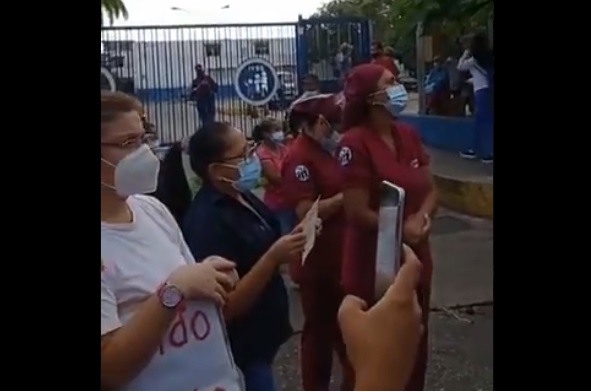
column 109, row 315
column 466, row 62
column 173, row 227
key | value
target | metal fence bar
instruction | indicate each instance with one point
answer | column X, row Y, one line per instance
column 156, row 64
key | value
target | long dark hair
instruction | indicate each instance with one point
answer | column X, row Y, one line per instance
column 481, row 51
column 207, row 146
column 173, row 190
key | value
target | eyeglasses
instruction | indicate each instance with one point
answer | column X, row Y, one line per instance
column 130, row 143
column 248, row 153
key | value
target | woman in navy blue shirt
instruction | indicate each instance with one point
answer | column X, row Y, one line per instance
column 227, row 219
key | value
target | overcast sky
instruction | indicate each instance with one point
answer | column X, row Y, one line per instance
column 162, row 12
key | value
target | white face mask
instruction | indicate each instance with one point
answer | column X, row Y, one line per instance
column 137, row 173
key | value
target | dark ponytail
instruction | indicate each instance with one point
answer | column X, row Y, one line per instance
column 173, row 190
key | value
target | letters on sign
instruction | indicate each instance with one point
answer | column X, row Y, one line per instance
column 194, row 325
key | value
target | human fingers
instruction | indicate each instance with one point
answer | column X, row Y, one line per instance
column 297, row 240
column 221, row 291
column 427, row 223
column 298, row 229
column 218, row 298
column 233, row 275
column 221, row 264
column 406, row 279
column 224, row 280
column 350, row 310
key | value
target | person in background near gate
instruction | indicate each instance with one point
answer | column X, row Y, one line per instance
column 377, row 146
column 271, row 150
column 478, row 60
column 311, row 171
column 437, row 89
column 203, row 90
column 311, row 86
column 228, row 220
column 344, row 60
column 150, row 286
column 380, row 57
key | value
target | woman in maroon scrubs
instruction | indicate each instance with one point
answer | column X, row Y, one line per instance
column 311, row 171
column 377, row 146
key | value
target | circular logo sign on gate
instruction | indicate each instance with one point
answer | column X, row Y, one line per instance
column 256, row 81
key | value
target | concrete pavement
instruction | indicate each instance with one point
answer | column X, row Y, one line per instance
column 462, row 310
column 463, row 264
column 460, row 359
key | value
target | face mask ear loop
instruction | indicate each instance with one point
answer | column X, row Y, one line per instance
column 111, row 187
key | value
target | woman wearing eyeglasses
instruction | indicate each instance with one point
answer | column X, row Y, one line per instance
column 226, row 219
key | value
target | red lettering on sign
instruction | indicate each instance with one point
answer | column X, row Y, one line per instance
column 178, row 334
column 200, row 335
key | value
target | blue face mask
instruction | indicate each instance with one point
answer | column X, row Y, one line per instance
column 250, row 174
column 278, row 137
column 397, row 99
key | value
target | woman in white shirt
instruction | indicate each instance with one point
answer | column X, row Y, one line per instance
column 161, row 322
column 161, row 328
column 478, row 60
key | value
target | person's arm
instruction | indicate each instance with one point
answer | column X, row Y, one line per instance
column 356, row 169
column 270, row 171
column 299, row 188
column 249, row 287
column 379, row 380
column 430, row 204
column 214, row 85
column 466, row 62
column 206, row 238
column 326, row 208
column 125, row 350
column 394, row 69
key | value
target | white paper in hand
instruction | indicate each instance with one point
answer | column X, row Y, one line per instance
column 309, row 225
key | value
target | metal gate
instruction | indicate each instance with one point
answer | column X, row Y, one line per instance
column 156, row 64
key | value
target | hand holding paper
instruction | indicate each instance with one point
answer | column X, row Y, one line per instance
column 311, row 226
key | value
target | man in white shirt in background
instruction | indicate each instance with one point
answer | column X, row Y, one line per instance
column 161, row 325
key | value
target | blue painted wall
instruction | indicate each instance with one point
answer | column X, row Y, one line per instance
column 446, row 133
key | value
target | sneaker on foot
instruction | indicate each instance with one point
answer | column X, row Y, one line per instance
column 488, row 159
column 468, row 154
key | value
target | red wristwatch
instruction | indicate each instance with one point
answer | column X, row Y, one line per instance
column 170, row 296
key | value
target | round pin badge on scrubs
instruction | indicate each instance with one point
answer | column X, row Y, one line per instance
column 345, row 156
column 301, row 173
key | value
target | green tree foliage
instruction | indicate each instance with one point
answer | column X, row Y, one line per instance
column 113, row 9
column 325, row 38
column 394, row 21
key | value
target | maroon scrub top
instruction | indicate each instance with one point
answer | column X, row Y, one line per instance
column 365, row 161
column 309, row 172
